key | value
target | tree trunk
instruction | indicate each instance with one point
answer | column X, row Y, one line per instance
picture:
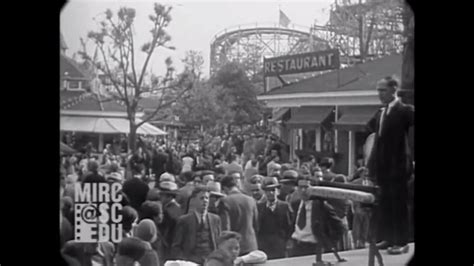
column 132, row 138
column 408, row 63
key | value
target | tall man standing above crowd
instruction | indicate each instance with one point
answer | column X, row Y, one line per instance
column 239, row 213
column 390, row 164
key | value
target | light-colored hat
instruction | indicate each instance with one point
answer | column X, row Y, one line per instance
column 115, row 176
column 71, row 179
column 256, row 179
column 167, row 177
column 168, row 187
column 276, row 166
column 215, row 188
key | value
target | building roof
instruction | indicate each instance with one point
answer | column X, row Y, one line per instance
column 359, row 77
column 148, row 104
column 82, row 101
column 66, row 96
column 73, row 70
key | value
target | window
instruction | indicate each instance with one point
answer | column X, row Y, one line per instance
column 309, row 139
column 73, row 84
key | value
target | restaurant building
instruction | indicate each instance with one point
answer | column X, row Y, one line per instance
column 326, row 115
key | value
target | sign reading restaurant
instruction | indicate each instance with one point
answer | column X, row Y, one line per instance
column 299, row 63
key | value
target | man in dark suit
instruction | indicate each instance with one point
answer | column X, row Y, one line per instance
column 315, row 225
column 225, row 145
column 158, row 163
column 239, row 213
column 274, row 221
column 390, row 166
column 136, row 191
column 197, row 232
column 171, row 213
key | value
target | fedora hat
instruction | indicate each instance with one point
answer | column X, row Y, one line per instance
column 255, row 186
column 289, row 176
column 270, row 183
column 256, row 179
column 215, row 189
column 168, row 187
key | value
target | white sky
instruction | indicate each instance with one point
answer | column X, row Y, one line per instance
column 194, row 23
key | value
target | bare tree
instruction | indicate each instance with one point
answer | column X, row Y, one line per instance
column 118, row 51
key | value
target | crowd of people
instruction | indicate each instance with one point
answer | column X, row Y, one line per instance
column 225, row 202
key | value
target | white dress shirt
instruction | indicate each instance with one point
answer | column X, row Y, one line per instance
column 305, row 235
column 386, row 112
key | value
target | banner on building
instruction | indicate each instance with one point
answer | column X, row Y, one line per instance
column 300, row 63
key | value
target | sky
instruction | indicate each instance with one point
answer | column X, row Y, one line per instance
column 194, row 23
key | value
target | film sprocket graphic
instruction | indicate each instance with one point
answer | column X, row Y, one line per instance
column 97, row 213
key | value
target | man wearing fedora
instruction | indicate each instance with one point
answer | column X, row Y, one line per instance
column 288, row 191
column 215, row 196
column 275, row 221
column 197, row 232
column 171, row 213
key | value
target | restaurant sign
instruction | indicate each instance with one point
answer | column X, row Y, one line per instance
column 300, row 63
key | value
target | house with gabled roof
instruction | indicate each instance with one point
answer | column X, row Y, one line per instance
column 89, row 115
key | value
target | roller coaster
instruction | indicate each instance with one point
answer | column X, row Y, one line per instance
column 250, row 43
column 381, row 24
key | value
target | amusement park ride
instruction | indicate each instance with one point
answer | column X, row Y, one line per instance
column 376, row 26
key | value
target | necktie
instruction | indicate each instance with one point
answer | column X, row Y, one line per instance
column 382, row 119
column 302, row 216
column 272, row 205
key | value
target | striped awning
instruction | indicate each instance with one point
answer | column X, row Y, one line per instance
column 355, row 118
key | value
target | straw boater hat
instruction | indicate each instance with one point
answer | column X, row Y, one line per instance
column 270, row 183
column 215, row 189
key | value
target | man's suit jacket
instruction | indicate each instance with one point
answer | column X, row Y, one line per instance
column 239, row 213
column 390, row 158
column 326, row 226
column 184, row 241
column 172, row 212
column 284, row 214
column 225, row 147
column 158, row 163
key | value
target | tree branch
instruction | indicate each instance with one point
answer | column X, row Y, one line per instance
column 109, row 72
column 168, row 103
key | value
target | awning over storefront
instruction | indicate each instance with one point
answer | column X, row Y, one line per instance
column 309, row 116
column 279, row 115
column 105, row 125
column 63, row 148
column 355, row 118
